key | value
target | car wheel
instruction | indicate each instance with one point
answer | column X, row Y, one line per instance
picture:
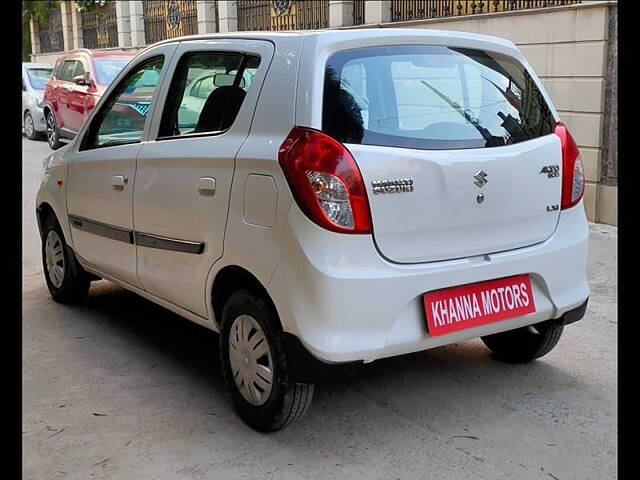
column 67, row 281
column 29, row 127
column 524, row 344
column 53, row 134
column 254, row 365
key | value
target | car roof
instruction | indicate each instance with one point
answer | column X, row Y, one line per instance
column 97, row 53
column 338, row 35
column 36, row 65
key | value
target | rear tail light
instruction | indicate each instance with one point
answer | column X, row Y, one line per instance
column 325, row 181
column 572, row 168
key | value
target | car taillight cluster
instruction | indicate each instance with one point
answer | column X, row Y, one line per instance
column 325, row 181
column 572, row 168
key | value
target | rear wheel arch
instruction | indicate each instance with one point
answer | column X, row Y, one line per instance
column 231, row 279
column 44, row 211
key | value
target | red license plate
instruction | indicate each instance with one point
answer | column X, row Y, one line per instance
column 476, row 304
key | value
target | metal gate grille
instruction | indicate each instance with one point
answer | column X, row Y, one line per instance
column 419, row 9
column 50, row 33
column 100, row 28
column 358, row 12
column 168, row 19
column 282, row 15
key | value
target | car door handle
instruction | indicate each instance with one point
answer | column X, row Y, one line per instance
column 206, row 186
column 118, row 182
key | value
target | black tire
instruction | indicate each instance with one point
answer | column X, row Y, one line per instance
column 75, row 280
column 288, row 400
column 524, row 344
column 30, row 132
column 53, row 133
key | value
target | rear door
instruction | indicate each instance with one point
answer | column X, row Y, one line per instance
column 456, row 147
column 183, row 182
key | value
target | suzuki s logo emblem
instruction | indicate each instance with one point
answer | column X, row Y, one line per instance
column 481, row 178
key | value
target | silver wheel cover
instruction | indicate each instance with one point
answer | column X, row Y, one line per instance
column 51, row 133
column 28, row 125
column 250, row 360
column 54, row 258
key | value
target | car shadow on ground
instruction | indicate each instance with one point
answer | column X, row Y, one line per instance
column 434, row 383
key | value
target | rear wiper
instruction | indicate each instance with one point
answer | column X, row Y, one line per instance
column 491, row 140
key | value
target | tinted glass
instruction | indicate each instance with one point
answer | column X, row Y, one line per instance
column 122, row 117
column 108, row 68
column 431, row 97
column 206, row 92
column 38, row 77
column 68, row 68
column 79, row 69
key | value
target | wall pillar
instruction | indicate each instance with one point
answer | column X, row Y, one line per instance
column 123, row 21
column 377, row 11
column 227, row 16
column 67, row 32
column 136, row 16
column 35, row 38
column 340, row 13
column 206, row 16
column 76, row 27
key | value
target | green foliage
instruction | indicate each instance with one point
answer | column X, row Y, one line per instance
column 88, row 5
column 38, row 9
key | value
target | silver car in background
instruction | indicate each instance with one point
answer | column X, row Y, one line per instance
column 34, row 78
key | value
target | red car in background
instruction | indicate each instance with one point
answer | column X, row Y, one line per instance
column 79, row 79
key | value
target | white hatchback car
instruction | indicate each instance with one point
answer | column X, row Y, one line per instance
column 370, row 193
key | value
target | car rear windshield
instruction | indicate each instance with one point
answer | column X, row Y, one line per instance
column 38, row 77
column 107, row 68
column 431, row 97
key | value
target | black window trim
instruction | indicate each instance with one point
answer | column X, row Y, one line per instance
column 82, row 146
column 239, row 75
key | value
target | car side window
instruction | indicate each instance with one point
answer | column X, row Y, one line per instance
column 121, row 118
column 206, row 92
column 79, row 69
column 66, row 74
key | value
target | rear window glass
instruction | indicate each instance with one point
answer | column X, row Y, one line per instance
column 431, row 97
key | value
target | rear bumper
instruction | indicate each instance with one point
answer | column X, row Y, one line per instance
column 304, row 367
column 345, row 303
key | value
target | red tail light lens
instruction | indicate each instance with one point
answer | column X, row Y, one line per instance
column 572, row 168
column 325, row 181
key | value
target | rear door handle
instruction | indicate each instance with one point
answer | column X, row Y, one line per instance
column 206, row 186
column 118, row 182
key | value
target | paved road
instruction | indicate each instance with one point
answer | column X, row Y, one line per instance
column 122, row 389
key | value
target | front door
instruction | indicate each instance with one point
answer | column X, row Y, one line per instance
column 183, row 182
column 76, row 100
column 102, row 172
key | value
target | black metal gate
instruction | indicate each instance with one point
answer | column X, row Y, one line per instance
column 282, row 14
column 99, row 27
column 169, row 18
column 50, row 33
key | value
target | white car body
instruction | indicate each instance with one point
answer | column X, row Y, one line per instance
column 344, row 297
column 32, row 98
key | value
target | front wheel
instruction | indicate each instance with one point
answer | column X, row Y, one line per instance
column 254, row 365
column 524, row 344
column 29, row 127
column 67, row 281
column 53, row 134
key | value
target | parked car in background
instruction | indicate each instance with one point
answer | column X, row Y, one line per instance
column 79, row 79
column 34, row 79
column 369, row 193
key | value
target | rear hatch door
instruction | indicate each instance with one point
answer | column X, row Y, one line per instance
column 456, row 147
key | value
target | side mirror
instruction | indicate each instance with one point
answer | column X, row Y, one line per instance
column 81, row 80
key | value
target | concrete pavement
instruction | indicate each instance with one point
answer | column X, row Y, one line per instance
column 120, row 388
